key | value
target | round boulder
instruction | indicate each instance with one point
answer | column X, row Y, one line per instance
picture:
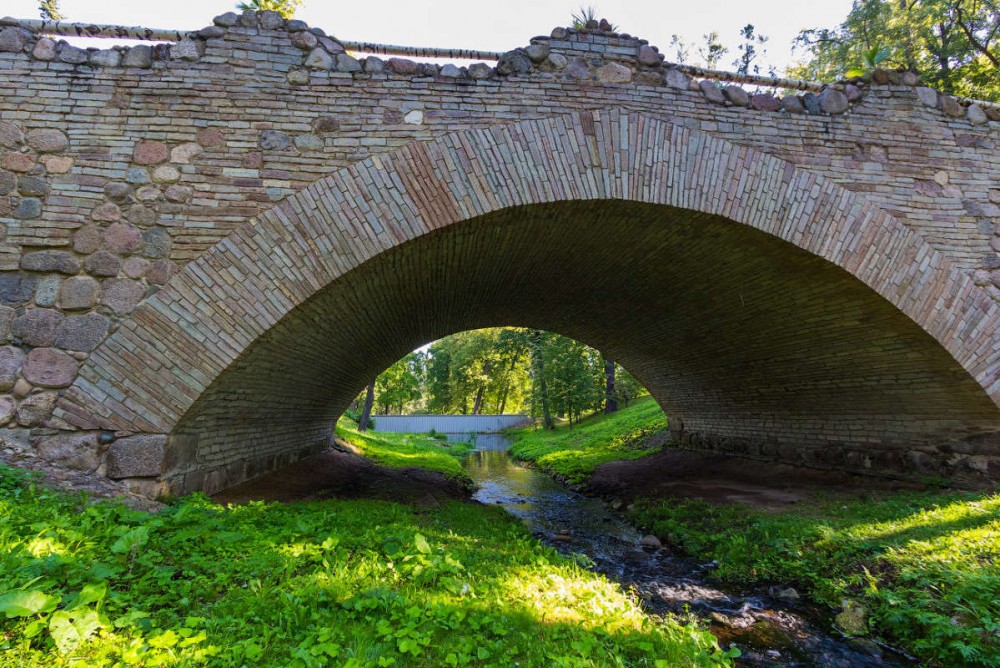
column 47, row 140
column 50, row 367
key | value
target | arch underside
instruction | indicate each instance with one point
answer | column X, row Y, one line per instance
column 761, row 305
column 740, row 335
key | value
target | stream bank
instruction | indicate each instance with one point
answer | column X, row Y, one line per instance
column 771, row 627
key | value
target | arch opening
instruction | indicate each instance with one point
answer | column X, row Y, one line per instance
column 749, row 343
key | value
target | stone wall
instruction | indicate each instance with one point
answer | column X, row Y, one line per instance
column 118, row 167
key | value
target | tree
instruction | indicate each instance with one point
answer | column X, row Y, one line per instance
column 366, row 412
column 750, row 49
column 712, row 50
column 49, row 10
column 503, row 369
column 627, row 387
column 286, row 8
column 610, row 400
column 954, row 45
column 399, row 384
column 540, row 388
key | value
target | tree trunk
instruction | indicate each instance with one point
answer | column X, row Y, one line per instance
column 506, row 385
column 610, row 403
column 478, row 405
column 366, row 413
column 538, row 363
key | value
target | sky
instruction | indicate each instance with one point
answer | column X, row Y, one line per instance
column 488, row 26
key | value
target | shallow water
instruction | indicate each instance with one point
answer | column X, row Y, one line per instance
column 768, row 631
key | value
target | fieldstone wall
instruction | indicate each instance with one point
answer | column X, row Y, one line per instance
column 119, row 167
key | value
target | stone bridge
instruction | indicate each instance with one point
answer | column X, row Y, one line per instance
column 208, row 247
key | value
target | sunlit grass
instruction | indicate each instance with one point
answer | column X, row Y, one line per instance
column 329, row 583
column 927, row 566
column 575, row 453
column 402, row 450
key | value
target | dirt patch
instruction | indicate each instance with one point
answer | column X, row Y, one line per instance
column 343, row 474
column 726, row 479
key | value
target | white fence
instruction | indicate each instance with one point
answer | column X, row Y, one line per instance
column 448, row 424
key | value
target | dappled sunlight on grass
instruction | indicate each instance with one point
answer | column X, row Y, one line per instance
column 575, row 453
column 345, row 583
column 925, row 565
column 403, row 450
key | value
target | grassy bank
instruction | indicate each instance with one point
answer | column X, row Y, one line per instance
column 331, row 583
column 925, row 566
column 573, row 454
column 402, row 450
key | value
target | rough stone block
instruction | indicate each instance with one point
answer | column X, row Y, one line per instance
column 103, row 263
column 82, row 332
column 11, row 359
column 140, row 57
column 137, row 456
column 150, row 153
column 78, row 292
column 121, row 238
column 16, row 288
column 47, row 140
column 121, row 295
column 36, row 409
column 8, row 408
column 7, row 315
column 78, row 451
column 37, row 326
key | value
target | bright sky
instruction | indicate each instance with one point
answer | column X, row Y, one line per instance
column 483, row 25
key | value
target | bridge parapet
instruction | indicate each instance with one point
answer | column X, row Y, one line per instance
column 598, row 56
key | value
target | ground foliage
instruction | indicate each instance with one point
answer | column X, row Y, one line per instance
column 573, row 453
column 925, row 565
column 401, row 450
column 330, row 583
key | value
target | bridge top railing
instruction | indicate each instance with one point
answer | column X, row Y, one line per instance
column 561, row 53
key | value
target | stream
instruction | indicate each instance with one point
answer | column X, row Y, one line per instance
column 769, row 631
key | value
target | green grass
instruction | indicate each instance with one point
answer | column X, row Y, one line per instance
column 402, row 450
column 925, row 565
column 329, row 583
column 573, row 454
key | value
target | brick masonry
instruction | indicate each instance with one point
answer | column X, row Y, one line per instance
column 223, row 239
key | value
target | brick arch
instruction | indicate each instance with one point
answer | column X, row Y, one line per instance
column 160, row 369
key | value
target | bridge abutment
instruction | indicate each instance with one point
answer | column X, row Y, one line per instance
column 161, row 243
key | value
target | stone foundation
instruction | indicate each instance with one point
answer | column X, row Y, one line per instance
column 973, row 461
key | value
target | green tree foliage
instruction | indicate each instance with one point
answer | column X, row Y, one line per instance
column 627, row 388
column 399, row 385
column 574, row 376
column 711, row 51
column 751, row 50
column 286, row 8
column 479, row 371
column 49, row 10
column 500, row 370
column 954, row 45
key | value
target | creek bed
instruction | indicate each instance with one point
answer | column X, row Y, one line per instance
column 769, row 631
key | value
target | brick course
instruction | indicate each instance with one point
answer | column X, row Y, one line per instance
column 264, row 234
